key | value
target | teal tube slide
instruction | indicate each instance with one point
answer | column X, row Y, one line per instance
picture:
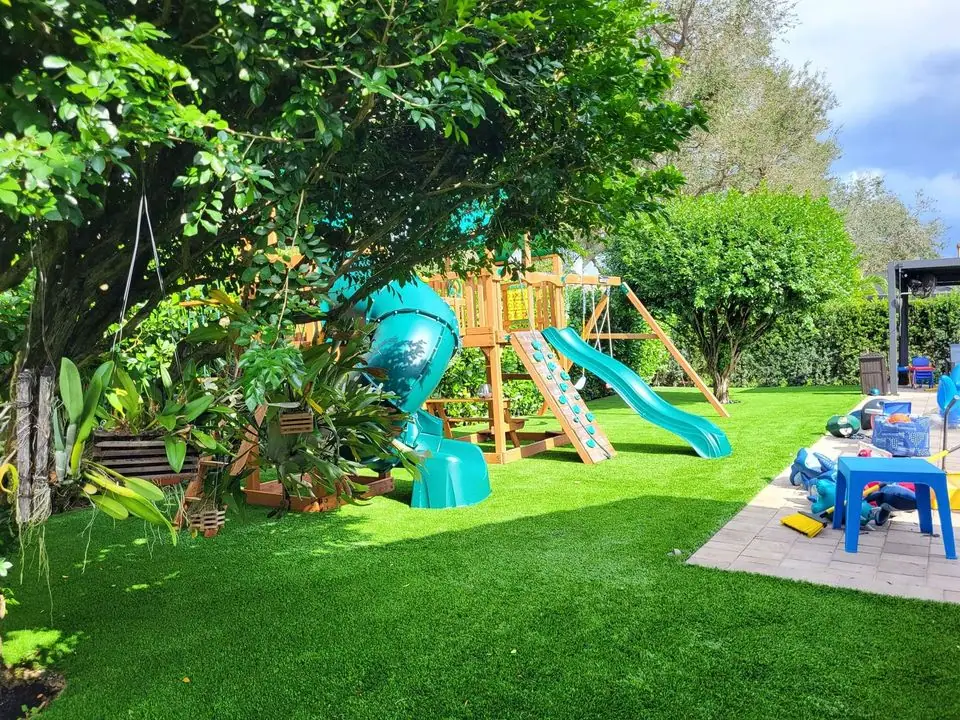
column 703, row 436
column 415, row 338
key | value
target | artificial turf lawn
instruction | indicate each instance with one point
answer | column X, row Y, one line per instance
column 556, row 598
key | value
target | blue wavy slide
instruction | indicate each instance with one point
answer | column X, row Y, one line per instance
column 706, row 438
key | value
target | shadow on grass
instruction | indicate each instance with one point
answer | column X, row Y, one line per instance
column 804, row 389
column 655, row 448
column 566, row 610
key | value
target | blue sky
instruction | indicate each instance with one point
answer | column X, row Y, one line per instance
column 895, row 68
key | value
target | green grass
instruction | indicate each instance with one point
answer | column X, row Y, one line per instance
column 556, row 598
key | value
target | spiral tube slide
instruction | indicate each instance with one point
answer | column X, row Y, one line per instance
column 703, row 436
column 415, row 338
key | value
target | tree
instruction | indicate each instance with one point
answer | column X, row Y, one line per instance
column 356, row 130
column 883, row 227
column 731, row 265
column 351, row 135
column 768, row 120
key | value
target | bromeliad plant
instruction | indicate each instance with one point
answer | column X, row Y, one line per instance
column 355, row 424
column 116, row 495
column 184, row 412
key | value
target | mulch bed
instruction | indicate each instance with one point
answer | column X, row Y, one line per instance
column 26, row 687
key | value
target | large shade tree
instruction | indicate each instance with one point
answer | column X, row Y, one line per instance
column 351, row 133
column 354, row 130
column 729, row 266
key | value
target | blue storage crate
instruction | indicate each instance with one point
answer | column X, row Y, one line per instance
column 910, row 439
column 897, row 406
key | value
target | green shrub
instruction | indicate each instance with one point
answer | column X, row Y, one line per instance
column 467, row 373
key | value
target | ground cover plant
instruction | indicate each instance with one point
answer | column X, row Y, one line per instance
column 558, row 597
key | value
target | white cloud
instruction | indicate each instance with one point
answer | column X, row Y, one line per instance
column 879, row 54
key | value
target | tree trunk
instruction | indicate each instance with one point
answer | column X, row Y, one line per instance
column 24, row 445
column 721, row 385
column 34, row 406
column 721, row 373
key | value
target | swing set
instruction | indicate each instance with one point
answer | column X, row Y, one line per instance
column 494, row 311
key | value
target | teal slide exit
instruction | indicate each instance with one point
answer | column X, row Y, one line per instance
column 706, row 438
column 415, row 337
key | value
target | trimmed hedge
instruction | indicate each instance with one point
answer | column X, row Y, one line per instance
column 824, row 347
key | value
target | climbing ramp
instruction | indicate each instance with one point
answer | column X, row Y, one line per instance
column 576, row 420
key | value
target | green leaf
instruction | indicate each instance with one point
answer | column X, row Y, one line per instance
column 176, row 451
column 208, row 333
column 110, row 506
column 196, row 408
column 55, row 62
column 148, row 490
column 205, row 441
column 104, row 372
column 146, row 510
column 248, row 9
column 90, row 402
column 165, row 377
column 71, row 390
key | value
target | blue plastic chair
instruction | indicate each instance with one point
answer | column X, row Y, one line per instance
column 921, row 371
column 853, row 474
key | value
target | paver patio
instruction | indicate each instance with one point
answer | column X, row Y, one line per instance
column 892, row 560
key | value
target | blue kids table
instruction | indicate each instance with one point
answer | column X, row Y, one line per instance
column 853, row 474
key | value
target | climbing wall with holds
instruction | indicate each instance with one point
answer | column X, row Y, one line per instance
column 564, row 401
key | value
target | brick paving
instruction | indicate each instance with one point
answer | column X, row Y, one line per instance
column 893, row 560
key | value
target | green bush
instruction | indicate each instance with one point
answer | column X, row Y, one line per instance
column 467, row 373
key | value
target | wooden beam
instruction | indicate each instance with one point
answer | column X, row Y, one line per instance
column 622, row 336
column 553, row 279
column 545, row 444
column 572, row 279
column 497, row 404
column 677, row 355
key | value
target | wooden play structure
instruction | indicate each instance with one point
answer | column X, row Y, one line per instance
column 494, row 311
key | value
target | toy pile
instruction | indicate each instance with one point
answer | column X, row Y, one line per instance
column 818, row 475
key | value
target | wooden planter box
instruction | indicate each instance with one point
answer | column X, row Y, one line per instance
column 318, row 499
column 296, row 423
column 142, row 456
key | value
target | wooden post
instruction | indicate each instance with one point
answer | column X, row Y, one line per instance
column 41, row 505
column 527, row 264
column 497, row 404
column 24, row 446
column 494, row 358
column 559, row 296
column 677, row 355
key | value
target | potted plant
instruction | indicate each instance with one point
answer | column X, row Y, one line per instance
column 158, row 432
column 115, row 493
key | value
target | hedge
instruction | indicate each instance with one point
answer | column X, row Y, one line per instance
column 824, row 347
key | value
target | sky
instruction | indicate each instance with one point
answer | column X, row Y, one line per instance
column 894, row 66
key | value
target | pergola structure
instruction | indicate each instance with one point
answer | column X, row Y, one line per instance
column 906, row 278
